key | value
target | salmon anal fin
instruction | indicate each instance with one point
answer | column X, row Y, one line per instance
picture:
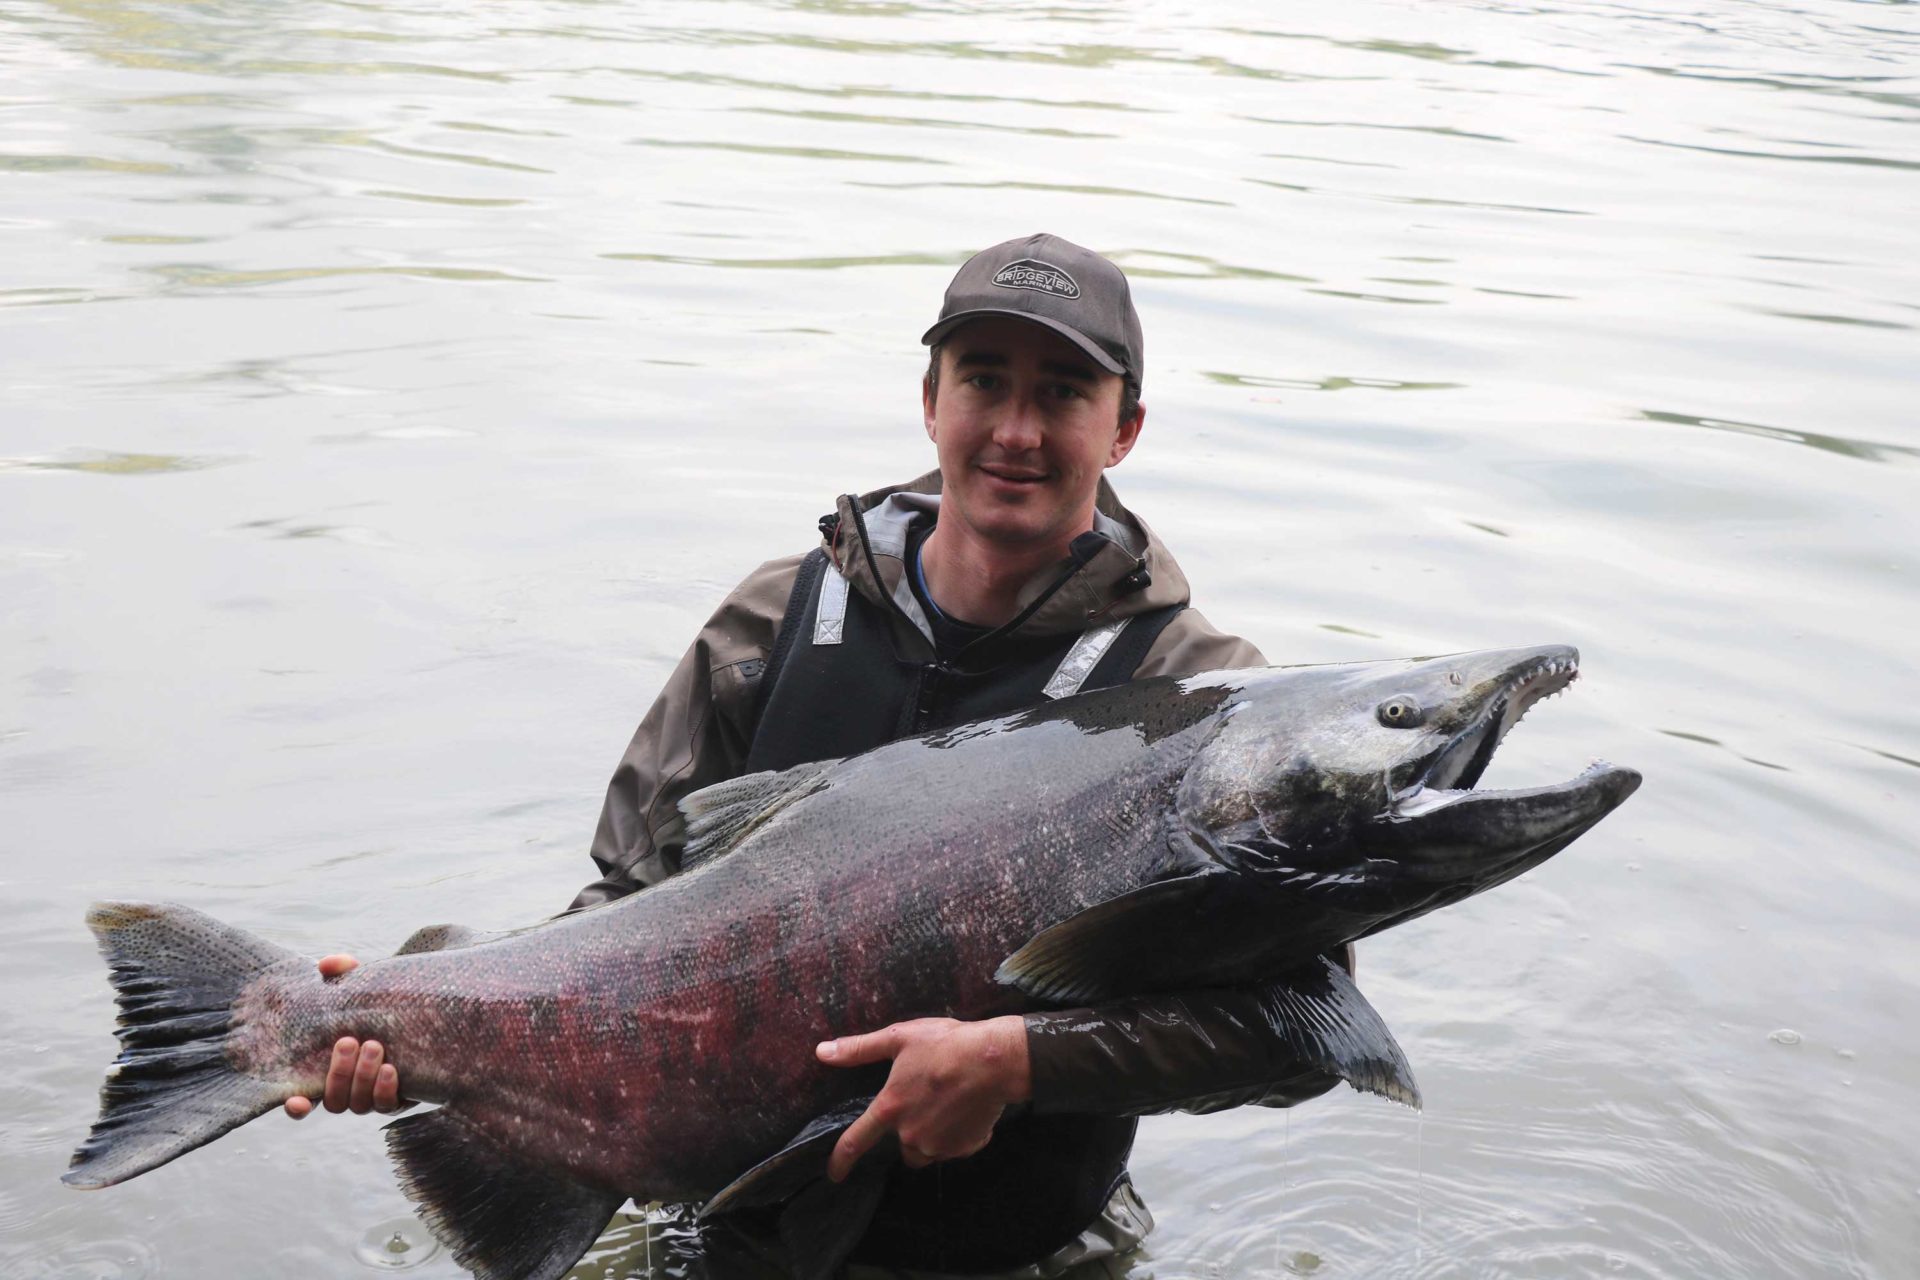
column 499, row 1216
column 722, row 815
column 787, row 1172
column 821, row 1225
column 823, row 1220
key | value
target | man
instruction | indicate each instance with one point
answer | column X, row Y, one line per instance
column 1010, row 575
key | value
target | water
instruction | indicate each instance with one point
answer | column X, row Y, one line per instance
column 390, row 390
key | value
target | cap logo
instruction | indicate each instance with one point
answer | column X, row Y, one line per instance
column 1041, row 277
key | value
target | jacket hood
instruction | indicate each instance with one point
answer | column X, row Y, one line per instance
column 1117, row 570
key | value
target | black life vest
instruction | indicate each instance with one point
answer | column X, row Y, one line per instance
column 836, row 685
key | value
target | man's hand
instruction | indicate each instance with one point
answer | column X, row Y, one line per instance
column 949, row 1083
column 359, row 1079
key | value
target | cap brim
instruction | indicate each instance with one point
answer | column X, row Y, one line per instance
column 1067, row 331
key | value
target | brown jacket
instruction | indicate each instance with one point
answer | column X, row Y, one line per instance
column 1197, row 1052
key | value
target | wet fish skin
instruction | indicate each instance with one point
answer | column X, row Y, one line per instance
column 1163, row 834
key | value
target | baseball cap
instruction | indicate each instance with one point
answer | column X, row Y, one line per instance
column 1073, row 291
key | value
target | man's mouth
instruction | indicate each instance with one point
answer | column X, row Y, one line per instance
column 1015, row 475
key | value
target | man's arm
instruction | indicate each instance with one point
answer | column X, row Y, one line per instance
column 1198, row 1052
column 696, row 733
column 950, row 1081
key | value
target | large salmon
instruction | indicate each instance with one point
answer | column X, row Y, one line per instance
column 1225, row 829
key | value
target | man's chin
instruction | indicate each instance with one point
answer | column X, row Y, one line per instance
column 1017, row 528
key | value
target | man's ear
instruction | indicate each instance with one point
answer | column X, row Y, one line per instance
column 1128, row 437
column 927, row 395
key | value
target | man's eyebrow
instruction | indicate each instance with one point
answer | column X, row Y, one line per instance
column 982, row 359
column 1069, row 369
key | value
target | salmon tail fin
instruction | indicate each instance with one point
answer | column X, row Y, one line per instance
column 176, row 973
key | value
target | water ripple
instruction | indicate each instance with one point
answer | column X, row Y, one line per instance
column 1065, row 188
column 1845, row 446
column 768, row 149
column 1872, row 162
column 192, row 276
column 919, row 122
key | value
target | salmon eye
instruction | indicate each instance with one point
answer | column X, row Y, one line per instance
column 1400, row 713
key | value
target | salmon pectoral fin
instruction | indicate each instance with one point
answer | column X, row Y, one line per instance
column 175, row 973
column 1321, row 1016
column 1159, row 937
column 499, row 1215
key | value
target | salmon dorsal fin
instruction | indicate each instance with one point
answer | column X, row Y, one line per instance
column 500, row 1216
column 441, row 937
column 719, row 817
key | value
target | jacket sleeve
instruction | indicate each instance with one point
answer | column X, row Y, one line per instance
column 1199, row 1051
column 695, row 734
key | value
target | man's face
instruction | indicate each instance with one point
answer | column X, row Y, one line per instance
column 1024, row 423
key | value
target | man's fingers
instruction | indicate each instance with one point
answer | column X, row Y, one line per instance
column 366, row 1071
column 359, row 1079
column 386, row 1089
column 346, row 1056
column 854, row 1143
column 858, row 1051
column 335, row 965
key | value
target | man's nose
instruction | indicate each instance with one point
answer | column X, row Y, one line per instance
column 1019, row 428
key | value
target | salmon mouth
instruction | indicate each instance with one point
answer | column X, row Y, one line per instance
column 1454, row 830
column 1460, row 764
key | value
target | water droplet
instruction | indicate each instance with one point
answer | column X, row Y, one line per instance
column 1785, row 1035
column 398, row 1244
column 1615, row 1262
column 1633, row 866
column 1844, row 1053
column 1303, row 1262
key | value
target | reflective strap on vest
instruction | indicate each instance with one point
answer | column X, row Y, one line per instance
column 1082, row 658
column 830, row 620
